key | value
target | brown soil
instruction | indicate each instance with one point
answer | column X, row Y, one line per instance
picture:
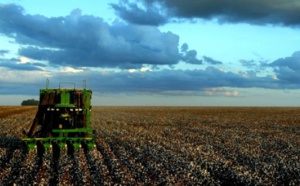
column 11, row 110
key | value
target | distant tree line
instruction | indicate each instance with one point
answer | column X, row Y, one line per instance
column 29, row 102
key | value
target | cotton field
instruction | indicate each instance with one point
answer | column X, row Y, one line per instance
column 162, row 146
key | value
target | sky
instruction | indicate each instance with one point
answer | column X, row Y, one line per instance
column 153, row 53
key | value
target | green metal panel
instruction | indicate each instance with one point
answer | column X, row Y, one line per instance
column 65, row 98
column 87, row 96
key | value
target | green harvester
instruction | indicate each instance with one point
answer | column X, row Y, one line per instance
column 63, row 120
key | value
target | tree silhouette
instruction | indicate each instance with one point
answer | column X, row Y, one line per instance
column 29, row 102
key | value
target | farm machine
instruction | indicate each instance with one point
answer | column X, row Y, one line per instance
column 63, row 120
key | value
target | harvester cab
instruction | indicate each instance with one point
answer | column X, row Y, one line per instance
column 63, row 119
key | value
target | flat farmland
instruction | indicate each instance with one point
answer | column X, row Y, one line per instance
column 163, row 145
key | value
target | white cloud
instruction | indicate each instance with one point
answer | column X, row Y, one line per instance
column 23, row 60
column 12, row 76
column 131, row 70
column 274, row 77
column 145, row 69
column 221, row 91
column 71, row 69
column 231, row 93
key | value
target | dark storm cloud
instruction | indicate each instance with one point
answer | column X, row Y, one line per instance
column 288, row 69
column 131, row 12
column 83, row 40
column 282, row 12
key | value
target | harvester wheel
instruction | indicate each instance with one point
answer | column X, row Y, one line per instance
column 70, row 148
column 40, row 149
column 55, row 151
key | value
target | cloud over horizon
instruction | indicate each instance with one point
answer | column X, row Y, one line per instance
column 140, row 57
column 149, row 81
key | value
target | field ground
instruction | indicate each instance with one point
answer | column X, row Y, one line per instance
column 163, row 145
